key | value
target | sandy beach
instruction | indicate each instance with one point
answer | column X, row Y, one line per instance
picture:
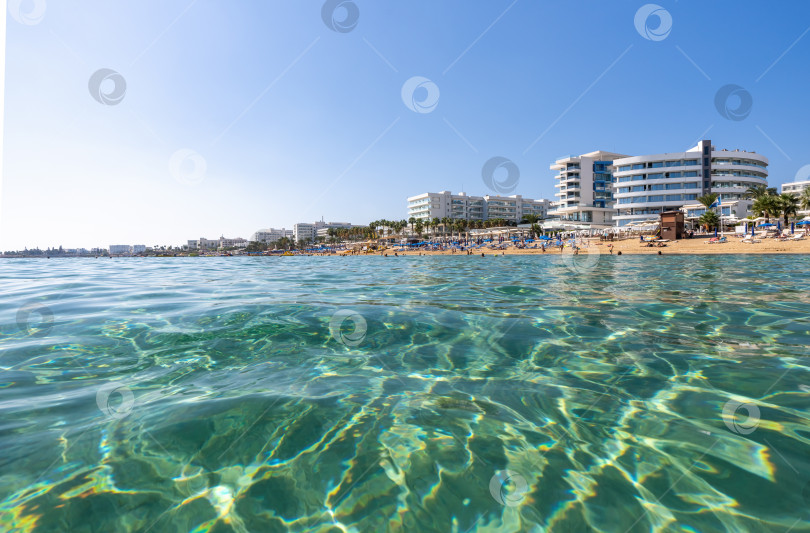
column 633, row 246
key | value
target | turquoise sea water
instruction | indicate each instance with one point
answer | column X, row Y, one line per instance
column 423, row 394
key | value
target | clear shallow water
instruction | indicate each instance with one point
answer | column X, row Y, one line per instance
column 405, row 394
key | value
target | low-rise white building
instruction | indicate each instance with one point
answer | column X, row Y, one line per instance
column 795, row 188
column 323, row 231
column 138, row 248
column 734, row 209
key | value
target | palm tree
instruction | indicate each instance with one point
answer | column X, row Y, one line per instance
column 789, row 205
column 766, row 206
column 757, row 191
column 804, row 198
column 531, row 218
column 709, row 219
column 412, row 222
column 418, row 226
column 445, row 222
column 708, row 199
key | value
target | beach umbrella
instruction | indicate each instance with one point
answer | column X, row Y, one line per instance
column 752, row 230
column 767, row 225
column 715, row 232
column 791, row 228
column 803, row 223
column 778, row 225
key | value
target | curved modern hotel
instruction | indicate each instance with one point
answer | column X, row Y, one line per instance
column 647, row 185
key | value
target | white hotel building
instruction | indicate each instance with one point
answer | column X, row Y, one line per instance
column 585, row 188
column 443, row 204
column 795, row 187
column 304, row 231
column 647, row 185
column 269, row 235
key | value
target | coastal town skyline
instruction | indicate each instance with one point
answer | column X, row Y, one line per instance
column 129, row 142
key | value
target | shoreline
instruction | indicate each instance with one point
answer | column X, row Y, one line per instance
column 699, row 246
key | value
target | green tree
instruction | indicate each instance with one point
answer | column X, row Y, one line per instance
column 759, row 190
column 766, row 206
column 710, row 219
column 708, row 199
column 789, row 205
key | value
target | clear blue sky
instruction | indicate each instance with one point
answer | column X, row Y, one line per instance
column 296, row 121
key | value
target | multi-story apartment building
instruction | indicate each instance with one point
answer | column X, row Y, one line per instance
column 645, row 186
column 444, row 204
column 209, row 245
column 269, row 235
column 304, row 232
column 310, row 232
column 119, row 249
column 585, row 188
column 323, row 229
